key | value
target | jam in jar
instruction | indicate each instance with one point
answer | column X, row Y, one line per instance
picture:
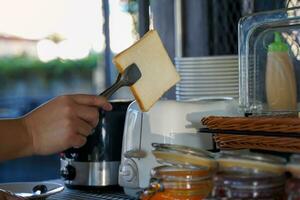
column 169, row 183
column 186, row 173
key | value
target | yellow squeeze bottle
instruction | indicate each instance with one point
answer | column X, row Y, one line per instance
column 281, row 88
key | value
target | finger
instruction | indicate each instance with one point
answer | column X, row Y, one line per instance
column 88, row 114
column 107, row 107
column 83, row 128
column 79, row 141
column 8, row 195
column 92, row 100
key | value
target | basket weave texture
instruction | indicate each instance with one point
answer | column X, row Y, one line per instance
column 266, row 124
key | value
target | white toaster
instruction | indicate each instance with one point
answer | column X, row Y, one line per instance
column 168, row 121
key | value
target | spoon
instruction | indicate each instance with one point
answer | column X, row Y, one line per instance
column 39, row 189
column 129, row 76
column 36, row 190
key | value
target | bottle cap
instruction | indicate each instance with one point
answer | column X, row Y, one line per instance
column 278, row 45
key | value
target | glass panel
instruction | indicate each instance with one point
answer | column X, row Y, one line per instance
column 269, row 62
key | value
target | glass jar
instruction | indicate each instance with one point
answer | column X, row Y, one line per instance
column 186, row 173
column 249, row 176
column 169, row 183
column 293, row 184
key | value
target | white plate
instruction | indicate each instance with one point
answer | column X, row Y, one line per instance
column 206, row 65
column 208, row 81
column 24, row 189
column 208, row 73
column 213, row 88
column 225, row 57
column 206, row 93
column 223, row 69
column 203, row 59
column 207, row 88
column 196, row 78
column 178, row 97
column 206, row 85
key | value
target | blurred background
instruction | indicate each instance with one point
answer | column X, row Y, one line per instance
column 54, row 47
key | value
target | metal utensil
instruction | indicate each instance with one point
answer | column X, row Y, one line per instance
column 36, row 191
column 39, row 189
column 130, row 75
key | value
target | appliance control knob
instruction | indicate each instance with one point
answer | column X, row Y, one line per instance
column 127, row 172
column 68, row 172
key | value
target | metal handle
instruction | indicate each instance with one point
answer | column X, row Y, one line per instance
column 112, row 89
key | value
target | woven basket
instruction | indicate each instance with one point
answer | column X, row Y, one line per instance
column 228, row 141
column 233, row 141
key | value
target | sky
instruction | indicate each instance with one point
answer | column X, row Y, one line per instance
column 78, row 21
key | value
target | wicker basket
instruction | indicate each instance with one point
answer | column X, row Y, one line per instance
column 266, row 124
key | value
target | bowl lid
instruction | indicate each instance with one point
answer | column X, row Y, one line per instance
column 249, row 161
column 183, row 156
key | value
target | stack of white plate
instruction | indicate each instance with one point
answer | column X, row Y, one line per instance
column 211, row 76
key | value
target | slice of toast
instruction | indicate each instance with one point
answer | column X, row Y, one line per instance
column 158, row 71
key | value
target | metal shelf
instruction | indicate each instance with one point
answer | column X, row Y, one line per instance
column 69, row 194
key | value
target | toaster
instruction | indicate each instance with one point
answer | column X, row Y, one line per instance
column 168, row 121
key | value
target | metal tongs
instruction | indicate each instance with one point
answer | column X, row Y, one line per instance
column 127, row 78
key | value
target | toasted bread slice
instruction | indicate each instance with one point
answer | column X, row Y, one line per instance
column 158, row 71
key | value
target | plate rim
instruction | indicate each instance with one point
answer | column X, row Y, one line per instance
column 60, row 187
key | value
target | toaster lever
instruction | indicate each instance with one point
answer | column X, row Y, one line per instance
column 134, row 154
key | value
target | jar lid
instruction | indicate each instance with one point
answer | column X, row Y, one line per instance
column 183, row 156
column 250, row 162
column 294, row 165
column 180, row 173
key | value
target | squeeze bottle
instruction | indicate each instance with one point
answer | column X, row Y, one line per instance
column 281, row 88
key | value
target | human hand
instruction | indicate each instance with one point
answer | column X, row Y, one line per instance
column 5, row 195
column 63, row 122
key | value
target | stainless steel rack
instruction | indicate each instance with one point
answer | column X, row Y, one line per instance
column 69, row 194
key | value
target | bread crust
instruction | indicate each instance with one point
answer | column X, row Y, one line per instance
column 120, row 69
column 135, row 94
column 125, row 50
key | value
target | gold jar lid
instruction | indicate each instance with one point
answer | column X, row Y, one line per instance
column 183, row 156
column 251, row 163
column 179, row 173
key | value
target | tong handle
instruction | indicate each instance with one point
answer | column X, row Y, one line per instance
column 107, row 93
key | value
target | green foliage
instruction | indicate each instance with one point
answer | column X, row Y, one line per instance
column 25, row 66
column 130, row 6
